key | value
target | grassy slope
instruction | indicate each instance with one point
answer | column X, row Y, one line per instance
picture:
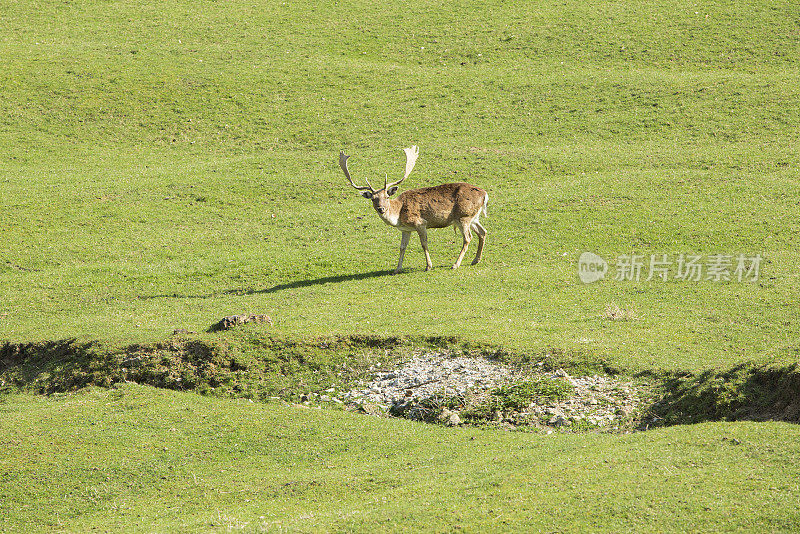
column 145, row 150
column 140, row 458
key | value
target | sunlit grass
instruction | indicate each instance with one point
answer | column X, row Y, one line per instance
column 162, row 168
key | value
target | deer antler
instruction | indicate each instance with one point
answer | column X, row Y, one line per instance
column 411, row 159
column 343, row 165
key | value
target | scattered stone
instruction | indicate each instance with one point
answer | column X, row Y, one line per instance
column 559, row 421
column 449, row 418
column 232, row 321
column 370, row 408
column 432, row 374
column 414, row 389
column 182, row 332
column 131, row 361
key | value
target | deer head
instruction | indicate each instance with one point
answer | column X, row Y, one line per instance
column 380, row 198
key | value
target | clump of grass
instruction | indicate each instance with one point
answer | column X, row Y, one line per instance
column 514, row 397
column 480, row 407
column 519, row 395
column 613, row 312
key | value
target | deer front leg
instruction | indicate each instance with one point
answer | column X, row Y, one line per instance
column 423, row 238
column 403, row 244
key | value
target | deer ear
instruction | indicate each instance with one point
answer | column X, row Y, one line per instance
column 391, row 191
column 366, row 194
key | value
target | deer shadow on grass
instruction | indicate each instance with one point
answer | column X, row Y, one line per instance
column 280, row 287
column 308, row 283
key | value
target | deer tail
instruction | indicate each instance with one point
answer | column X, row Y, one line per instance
column 485, row 203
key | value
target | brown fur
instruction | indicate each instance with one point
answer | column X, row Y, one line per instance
column 458, row 204
column 439, row 206
column 416, row 210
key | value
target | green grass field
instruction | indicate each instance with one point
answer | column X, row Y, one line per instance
column 140, row 459
column 163, row 165
column 145, row 151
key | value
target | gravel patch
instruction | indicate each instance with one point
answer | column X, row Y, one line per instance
column 425, row 376
column 438, row 387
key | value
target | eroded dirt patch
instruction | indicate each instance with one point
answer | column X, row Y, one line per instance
column 439, row 387
column 431, row 379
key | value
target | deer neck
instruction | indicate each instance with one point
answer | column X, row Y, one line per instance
column 392, row 215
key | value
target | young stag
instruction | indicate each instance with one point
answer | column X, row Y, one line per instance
column 416, row 210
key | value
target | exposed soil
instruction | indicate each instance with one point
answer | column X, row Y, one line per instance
column 430, row 379
column 439, row 387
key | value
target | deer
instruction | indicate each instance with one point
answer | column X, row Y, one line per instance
column 416, row 210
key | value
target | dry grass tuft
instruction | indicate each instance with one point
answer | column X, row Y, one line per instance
column 615, row 313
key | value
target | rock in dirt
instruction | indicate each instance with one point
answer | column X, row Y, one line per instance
column 231, row 321
column 182, row 332
column 449, row 418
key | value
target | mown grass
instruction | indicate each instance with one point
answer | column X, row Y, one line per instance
column 146, row 459
column 163, row 167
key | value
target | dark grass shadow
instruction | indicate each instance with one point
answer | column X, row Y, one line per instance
column 280, row 287
column 308, row 283
column 745, row 392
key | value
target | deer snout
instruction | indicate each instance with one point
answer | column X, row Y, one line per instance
column 381, row 210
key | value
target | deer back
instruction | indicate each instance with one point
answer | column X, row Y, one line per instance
column 441, row 205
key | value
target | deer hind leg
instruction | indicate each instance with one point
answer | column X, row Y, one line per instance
column 481, row 231
column 423, row 239
column 403, row 244
column 467, row 233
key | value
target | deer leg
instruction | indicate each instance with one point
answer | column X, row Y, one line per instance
column 465, row 231
column 403, row 244
column 423, row 239
column 481, row 231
